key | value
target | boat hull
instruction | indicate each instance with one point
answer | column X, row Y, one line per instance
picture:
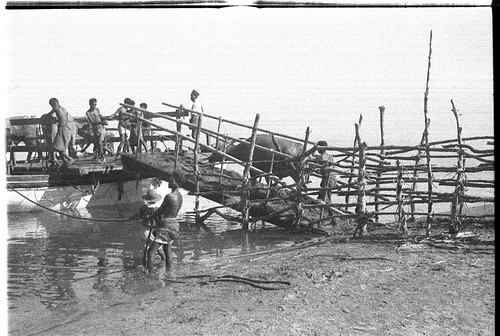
column 39, row 198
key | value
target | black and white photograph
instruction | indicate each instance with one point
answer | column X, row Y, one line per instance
column 220, row 168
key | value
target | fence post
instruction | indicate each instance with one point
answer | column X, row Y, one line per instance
column 456, row 205
column 361, row 204
column 357, row 141
column 196, row 167
column 415, row 177
column 427, row 148
column 382, row 158
column 399, row 199
column 245, row 188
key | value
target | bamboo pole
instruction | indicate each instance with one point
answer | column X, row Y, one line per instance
column 178, row 141
column 245, row 190
column 302, row 182
column 222, row 164
column 456, row 205
column 356, row 144
column 218, row 133
column 271, row 167
column 213, row 150
column 196, row 167
column 382, row 152
column 361, row 203
column 426, row 136
column 239, row 124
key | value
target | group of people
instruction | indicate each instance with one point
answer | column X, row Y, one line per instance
column 131, row 129
column 160, row 226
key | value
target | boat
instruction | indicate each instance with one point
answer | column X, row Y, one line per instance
column 35, row 185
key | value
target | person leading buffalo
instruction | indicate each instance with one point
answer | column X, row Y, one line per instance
column 64, row 134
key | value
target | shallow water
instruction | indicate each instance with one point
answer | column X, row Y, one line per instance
column 54, row 260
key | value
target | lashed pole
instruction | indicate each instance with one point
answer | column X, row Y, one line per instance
column 196, row 166
column 427, row 148
column 361, row 203
column 382, row 157
column 456, row 205
column 399, row 200
column 246, row 173
column 356, row 144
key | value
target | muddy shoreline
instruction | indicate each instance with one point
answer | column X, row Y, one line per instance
column 382, row 284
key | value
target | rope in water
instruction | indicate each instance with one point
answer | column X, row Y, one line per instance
column 68, row 215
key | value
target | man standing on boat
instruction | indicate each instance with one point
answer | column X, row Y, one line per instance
column 64, row 133
column 195, row 117
column 123, row 126
column 96, row 123
column 136, row 139
column 167, row 225
column 49, row 131
column 146, row 128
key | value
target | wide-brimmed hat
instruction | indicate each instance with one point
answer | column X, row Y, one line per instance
column 151, row 196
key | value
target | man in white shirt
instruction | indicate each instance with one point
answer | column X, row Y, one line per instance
column 195, row 118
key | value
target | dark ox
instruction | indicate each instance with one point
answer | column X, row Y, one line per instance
column 262, row 158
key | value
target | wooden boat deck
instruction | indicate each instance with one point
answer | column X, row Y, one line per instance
column 84, row 170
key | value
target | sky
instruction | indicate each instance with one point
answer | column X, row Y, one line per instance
column 296, row 67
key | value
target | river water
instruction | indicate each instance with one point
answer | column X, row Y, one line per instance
column 55, row 260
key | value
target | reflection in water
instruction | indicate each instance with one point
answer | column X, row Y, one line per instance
column 54, row 260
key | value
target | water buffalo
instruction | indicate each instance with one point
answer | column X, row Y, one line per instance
column 262, row 158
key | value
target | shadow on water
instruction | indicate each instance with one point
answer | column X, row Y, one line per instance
column 54, row 260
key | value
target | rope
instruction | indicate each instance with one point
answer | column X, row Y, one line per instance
column 68, row 215
column 261, row 284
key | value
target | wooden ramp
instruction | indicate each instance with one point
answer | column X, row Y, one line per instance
column 280, row 207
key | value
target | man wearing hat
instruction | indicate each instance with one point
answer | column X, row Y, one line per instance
column 167, row 225
column 152, row 201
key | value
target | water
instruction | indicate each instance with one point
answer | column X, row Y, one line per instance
column 55, row 261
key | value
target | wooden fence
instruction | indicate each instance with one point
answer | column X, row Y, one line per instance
column 372, row 181
column 380, row 180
